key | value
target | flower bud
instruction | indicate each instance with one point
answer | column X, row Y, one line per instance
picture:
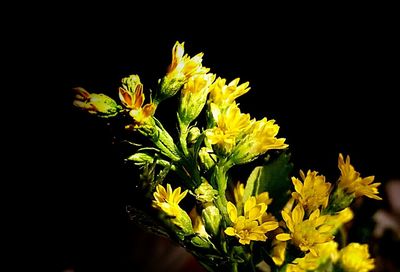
column 193, row 134
column 207, row 158
column 99, row 104
column 205, row 192
column 212, row 219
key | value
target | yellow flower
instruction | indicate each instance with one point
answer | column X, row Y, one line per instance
column 168, row 200
column 264, row 137
column 231, row 125
column 313, row 193
column 306, row 234
column 131, row 94
column 247, row 227
column 194, row 96
column 223, row 95
column 261, row 138
column 181, row 69
column 327, row 252
column 351, row 182
column 184, row 66
column 355, row 258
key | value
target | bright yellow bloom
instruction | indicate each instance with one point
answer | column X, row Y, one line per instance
column 223, row 95
column 261, row 138
column 355, row 258
column 306, row 234
column 182, row 66
column 168, row 200
column 351, row 182
column 327, row 252
column 246, row 227
column 313, row 193
column 231, row 125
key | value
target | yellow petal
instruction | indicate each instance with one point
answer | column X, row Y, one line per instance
column 250, row 203
column 298, row 186
column 232, row 211
column 283, row 237
column 298, row 214
column 288, row 220
column 230, row 231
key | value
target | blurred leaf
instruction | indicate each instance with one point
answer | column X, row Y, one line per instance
column 274, row 178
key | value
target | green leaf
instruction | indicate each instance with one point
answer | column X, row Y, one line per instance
column 274, row 178
column 251, row 186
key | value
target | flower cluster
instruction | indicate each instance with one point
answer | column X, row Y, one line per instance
column 271, row 220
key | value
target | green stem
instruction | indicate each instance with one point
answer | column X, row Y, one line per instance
column 235, row 267
column 220, row 180
column 183, row 133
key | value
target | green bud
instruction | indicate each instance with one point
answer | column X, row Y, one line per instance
column 193, row 97
column 339, row 201
column 182, row 224
column 169, row 87
column 194, row 133
column 199, row 241
column 207, row 158
column 100, row 104
column 131, row 83
column 212, row 219
column 205, row 192
column 141, row 158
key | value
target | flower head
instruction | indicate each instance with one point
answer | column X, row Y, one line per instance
column 184, row 66
column 224, row 95
column 181, row 69
column 306, row 233
column 327, row 253
column 313, row 193
column 231, row 124
column 351, row 182
column 167, row 200
column 355, row 258
column 247, row 227
column 260, row 138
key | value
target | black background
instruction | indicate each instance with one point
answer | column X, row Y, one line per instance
column 329, row 82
